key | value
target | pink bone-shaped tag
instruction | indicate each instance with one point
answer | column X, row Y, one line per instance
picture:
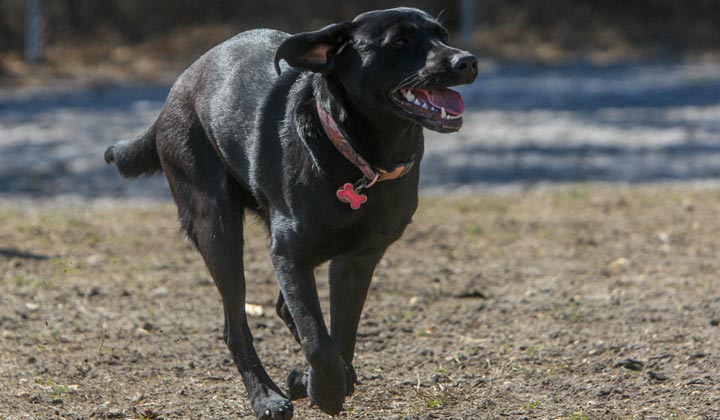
column 347, row 194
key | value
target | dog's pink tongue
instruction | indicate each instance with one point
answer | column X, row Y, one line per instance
column 444, row 98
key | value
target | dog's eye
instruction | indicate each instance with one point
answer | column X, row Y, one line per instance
column 400, row 42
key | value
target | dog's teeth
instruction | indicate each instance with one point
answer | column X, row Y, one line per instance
column 442, row 112
column 416, row 102
column 424, row 105
column 409, row 96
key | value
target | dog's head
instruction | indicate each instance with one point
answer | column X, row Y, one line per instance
column 394, row 62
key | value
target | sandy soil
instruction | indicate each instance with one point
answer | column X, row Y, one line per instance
column 584, row 303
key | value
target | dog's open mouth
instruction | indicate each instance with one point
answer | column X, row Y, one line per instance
column 438, row 109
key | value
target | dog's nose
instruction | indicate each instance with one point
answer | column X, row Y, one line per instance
column 465, row 63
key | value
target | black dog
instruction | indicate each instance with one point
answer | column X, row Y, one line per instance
column 294, row 148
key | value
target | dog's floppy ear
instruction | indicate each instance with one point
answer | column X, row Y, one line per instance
column 313, row 51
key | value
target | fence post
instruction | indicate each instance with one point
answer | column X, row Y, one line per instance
column 467, row 22
column 33, row 31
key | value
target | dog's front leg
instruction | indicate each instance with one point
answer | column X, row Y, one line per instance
column 350, row 278
column 326, row 379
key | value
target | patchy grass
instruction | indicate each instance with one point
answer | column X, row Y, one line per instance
column 532, row 405
column 579, row 415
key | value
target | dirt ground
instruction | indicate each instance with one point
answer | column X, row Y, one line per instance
column 589, row 302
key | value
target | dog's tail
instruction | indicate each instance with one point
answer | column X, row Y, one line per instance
column 136, row 157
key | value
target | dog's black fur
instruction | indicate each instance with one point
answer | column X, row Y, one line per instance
column 233, row 135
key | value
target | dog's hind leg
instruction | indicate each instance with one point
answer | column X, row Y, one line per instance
column 210, row 204
column 284, row 313
column 297, row 379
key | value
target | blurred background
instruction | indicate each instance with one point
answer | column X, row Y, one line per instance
column 571, row 90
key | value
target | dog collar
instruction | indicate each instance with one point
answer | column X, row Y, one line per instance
column 350, row 192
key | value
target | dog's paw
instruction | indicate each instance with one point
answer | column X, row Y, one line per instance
column 327, row 389
column 272, row 406
column 297, row 384
column 352, row 379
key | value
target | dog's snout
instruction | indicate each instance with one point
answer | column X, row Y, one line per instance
column 465, row 63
